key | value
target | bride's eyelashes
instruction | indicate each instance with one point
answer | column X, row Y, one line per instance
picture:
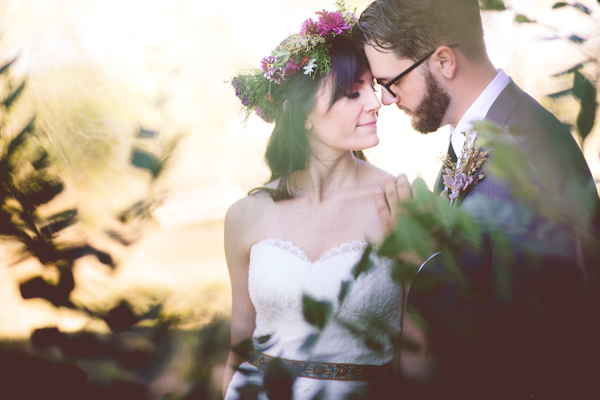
column 354, row 90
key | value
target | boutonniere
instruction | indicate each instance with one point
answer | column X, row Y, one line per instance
column 462, row 176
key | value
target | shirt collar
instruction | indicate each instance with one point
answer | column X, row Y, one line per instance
column 478, row 110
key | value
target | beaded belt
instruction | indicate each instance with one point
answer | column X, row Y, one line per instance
column 325, row 370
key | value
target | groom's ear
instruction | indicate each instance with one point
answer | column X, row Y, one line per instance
column 444, row 60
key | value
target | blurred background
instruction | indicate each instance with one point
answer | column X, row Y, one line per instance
column 104, row 76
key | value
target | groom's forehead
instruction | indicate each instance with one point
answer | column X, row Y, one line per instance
column 385, row 64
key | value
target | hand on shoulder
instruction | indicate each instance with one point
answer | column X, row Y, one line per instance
column 387, row 197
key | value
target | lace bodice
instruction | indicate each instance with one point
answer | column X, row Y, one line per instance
column 280, row 273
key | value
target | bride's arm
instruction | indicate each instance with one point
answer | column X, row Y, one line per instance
column 237, row 251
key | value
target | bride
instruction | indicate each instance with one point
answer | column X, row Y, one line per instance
column 300, row 236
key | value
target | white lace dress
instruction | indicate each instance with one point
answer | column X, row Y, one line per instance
column 280, row 274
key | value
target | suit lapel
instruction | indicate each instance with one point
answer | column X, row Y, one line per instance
column 507, row 100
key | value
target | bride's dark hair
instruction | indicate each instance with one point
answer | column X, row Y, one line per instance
column 288, row 149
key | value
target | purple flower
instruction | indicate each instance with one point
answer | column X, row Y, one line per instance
column 244, row 98
column 271, row 71
column 259, row 111
column 238, row 85
column 276, row 75
column 263, row 114
column 459, row 183
column 291, row 68
column 268, row 63
column 309, row 27
column 331, row 22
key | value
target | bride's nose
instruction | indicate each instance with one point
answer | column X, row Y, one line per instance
column 373, row 103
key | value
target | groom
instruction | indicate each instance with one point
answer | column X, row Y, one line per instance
column 429, row 56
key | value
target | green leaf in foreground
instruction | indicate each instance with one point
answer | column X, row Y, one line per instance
column 520, row 18
column 364, row 265
column 316, row 312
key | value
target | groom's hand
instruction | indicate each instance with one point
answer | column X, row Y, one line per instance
column 386, row 199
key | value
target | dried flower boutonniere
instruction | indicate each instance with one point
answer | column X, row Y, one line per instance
column 462, row 176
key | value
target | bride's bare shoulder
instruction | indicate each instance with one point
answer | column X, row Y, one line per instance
column 374, row 175
column 249, row 209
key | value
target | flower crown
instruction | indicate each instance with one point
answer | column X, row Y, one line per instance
column 307, row 51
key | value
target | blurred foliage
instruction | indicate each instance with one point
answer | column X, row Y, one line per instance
column 585, row 74
column 532, row 248
column 137, row 345
column 493, row 5
column 316, row 312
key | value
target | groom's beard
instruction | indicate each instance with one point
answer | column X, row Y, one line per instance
column 431, row 110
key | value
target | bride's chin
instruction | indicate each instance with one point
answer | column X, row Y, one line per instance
column 374, row 142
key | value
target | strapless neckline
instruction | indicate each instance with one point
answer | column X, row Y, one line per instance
column 298, row 252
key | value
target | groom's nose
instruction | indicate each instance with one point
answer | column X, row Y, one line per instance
column 387, row 98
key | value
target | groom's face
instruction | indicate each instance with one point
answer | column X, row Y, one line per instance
column 418, row 93
column 432, row 108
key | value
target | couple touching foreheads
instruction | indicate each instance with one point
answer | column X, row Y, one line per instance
column 292, row 245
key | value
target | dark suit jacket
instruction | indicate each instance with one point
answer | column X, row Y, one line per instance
column 491, row 346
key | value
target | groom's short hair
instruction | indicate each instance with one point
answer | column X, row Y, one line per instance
column 411, row 28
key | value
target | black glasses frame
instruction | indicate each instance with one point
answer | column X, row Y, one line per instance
column 407, row 70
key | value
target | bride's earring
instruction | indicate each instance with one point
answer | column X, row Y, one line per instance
column 308, row 126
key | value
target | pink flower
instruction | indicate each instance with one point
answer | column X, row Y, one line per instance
column 271, row 71
column 291, row 68
column 331, row 22
column 309, row 27
column 268, row 63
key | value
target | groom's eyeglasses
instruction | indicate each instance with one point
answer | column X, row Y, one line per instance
column 420, row 61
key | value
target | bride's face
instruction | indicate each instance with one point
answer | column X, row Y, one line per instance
column 350, row 124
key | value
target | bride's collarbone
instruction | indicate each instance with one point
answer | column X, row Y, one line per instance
column 308, row 203
column 325, row 218
column 331, row 221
